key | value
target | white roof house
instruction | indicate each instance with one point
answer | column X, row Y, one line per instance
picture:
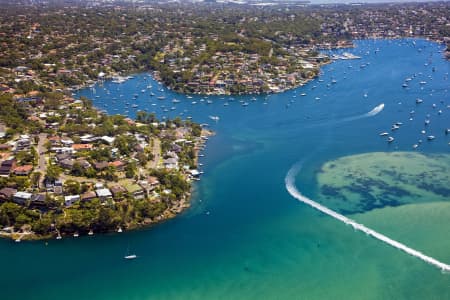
column 71, row 199
column 108, row 139
column 103, row 193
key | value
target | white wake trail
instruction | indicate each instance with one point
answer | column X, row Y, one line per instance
column 292, row 189
column 375, row 111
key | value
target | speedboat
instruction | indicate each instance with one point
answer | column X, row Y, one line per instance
column 431, row 137
column 131, row 256
column 384, row 134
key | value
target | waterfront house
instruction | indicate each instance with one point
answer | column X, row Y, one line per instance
column 136, row 191
column 103, row 194
column 88, row 196
column 118, row 192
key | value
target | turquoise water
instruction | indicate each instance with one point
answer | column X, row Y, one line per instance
column 258, row 242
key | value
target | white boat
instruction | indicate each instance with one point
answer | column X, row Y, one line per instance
column 384, row 134
column 431, row 137
column 418, row 100
column 131, row 256
column 214, row 118
column 303, row 94
column 390, row 139
column 91, row 232
column 76, row 234
column 119, row 230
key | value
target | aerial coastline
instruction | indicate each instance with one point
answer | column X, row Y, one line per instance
column 68, row 169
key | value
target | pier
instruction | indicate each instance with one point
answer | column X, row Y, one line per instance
column 290, row 186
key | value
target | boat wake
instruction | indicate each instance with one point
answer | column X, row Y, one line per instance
column 375, row 111
column 294, row 192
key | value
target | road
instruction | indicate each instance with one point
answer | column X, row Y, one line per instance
column 42, row 164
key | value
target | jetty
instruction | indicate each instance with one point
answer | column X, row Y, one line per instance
column 290, row 186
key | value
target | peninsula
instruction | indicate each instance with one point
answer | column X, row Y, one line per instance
column 204, row 48
column 68, row 169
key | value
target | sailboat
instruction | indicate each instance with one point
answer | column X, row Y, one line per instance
column 129, row 256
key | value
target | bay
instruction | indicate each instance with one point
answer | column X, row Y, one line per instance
column 245, row 237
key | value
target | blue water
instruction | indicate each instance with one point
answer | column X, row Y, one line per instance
column 258, row 242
